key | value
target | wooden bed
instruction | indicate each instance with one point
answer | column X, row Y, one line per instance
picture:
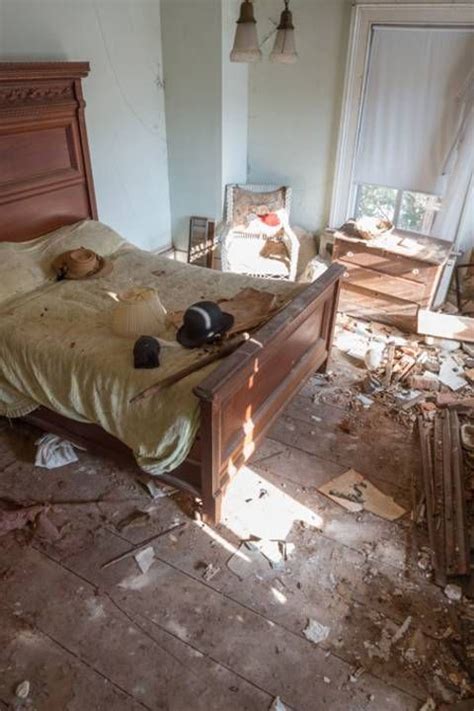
column 46, row 182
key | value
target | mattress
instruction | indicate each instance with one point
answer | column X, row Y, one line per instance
column 57, row 348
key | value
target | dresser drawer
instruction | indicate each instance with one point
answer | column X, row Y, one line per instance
column 386, row 284
column 386, row 262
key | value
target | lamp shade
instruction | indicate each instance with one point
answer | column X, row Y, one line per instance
column 284, row 49
column 246, row 47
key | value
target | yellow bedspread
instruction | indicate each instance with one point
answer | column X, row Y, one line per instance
column 57, row 348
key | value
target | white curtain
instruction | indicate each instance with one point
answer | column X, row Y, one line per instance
column 414, row 108
column 457, row 174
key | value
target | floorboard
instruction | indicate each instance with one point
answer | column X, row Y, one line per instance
column 93, row 638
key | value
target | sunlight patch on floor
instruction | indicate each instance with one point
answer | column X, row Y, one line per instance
column 255, row 507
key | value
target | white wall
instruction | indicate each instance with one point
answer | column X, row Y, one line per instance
column 294, row 109
column 206, row 108
column 235, row 103
column 124, row 95
column 192, row 72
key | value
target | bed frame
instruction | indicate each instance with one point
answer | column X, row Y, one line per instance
column 46, row 182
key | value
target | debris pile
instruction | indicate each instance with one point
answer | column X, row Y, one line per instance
column 429, row 383
column 410, row 375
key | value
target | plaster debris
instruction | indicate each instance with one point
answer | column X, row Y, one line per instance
column 374, row 356
column 453, row 592
column 277, row 705
column 356, row 674
column 402, row 630
column 429, row 705
column 355, row 493
column 382, row 649
column 158, row 491
column 316, row 632
column 352, row 344
column 145, row 559
column 22, row 691
column 409, row 398
column 326, row 680
column 210, row 572
column 450, row 374
column 366, row 401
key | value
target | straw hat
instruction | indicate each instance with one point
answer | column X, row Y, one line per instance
column 81, row 263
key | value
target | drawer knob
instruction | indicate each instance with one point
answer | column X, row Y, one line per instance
column 350, row 254
column 415, row 271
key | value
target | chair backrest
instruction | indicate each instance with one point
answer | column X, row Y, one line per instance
column 230, row 190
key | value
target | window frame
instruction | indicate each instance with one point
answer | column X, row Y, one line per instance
column 364, row 18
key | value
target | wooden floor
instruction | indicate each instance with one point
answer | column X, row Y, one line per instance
column 89, row 638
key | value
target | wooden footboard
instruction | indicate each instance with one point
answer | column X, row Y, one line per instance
column 244, row 395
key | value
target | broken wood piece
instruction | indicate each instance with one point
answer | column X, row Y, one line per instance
column 403, row 368
column 438, row 501
column 443, row 483
column 457, row 328
column 250, row 308
column 356, row 493
column 425, row 432
column 462, row 551
column 222, row 351
column 387, row 378
column 448, row 510
column 452, row 402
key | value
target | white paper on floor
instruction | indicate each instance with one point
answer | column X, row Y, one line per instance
column 53, row 452
column 355, row 493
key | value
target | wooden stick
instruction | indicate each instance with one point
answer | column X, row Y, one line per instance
column 449, row 535
column 460, row 523
column 226, row 349
column 387, row 379
column 139, row 546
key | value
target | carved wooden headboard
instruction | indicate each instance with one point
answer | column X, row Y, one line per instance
column 45, row 170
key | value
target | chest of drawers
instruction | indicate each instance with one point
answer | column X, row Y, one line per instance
column 388, row 278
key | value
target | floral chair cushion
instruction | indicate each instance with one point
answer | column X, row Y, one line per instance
column 247, row 204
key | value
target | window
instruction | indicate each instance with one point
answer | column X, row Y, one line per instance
column 407, row 210
column 407, row 120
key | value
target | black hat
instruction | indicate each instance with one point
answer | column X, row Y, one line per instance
column 202, row 323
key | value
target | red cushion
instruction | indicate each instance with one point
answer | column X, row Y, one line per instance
column 272, row 219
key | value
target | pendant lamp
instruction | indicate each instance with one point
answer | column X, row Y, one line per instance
column 284, row 50
column 246, row 47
